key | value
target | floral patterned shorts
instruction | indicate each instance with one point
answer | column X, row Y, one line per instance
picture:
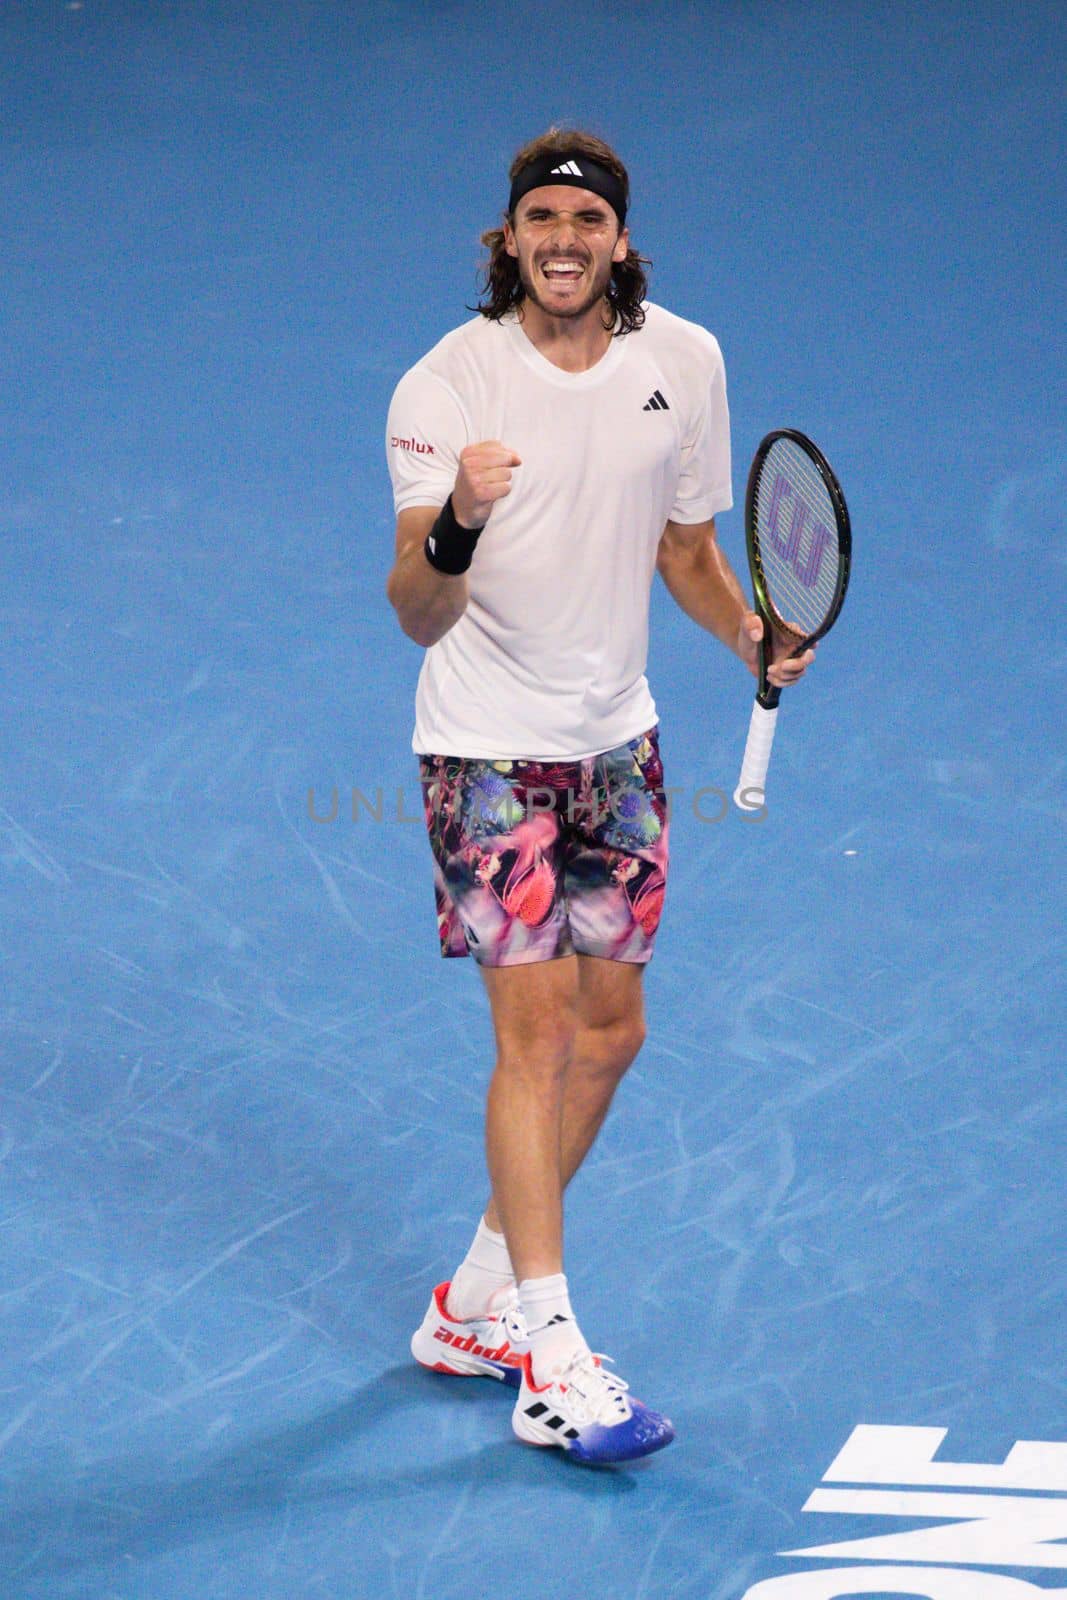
column 539, row 859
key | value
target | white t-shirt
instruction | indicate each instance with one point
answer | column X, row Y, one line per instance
column 548, row 660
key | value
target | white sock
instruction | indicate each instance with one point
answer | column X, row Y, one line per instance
column 555, row 1337
column 483, row 1273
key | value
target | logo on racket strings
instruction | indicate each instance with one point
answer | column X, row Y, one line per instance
column 788, row 518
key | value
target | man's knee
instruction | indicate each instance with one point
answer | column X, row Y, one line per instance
column 613, row 1045
column 631, row 1036
column 544, row 1049
column 536, row 1022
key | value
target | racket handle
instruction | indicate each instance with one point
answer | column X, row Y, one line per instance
column 748, row 795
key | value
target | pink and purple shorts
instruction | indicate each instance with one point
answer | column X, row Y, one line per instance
column 539, row 859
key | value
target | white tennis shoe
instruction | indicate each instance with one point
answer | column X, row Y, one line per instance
column 588, row 1411
column 490, row 1346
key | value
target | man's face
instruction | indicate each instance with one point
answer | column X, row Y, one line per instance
column 565, row 241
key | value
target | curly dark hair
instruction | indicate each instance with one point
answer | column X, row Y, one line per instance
column 502, row 287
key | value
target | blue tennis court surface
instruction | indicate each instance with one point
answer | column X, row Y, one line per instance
column 242, row 1097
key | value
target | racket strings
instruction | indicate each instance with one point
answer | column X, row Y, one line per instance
column 797, row 542
column 801, row 610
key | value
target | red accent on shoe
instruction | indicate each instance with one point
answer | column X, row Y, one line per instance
column 527, row 1372
column 503, row 1355
column 440, row 1294
column 538, row 1388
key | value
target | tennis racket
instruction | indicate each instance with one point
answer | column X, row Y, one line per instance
column 799, row 552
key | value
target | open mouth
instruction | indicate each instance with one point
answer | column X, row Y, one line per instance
column 562, row 270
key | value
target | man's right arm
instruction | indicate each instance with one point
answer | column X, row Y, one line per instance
column 428, row 602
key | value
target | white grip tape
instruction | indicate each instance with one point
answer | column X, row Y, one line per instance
column 750, row 785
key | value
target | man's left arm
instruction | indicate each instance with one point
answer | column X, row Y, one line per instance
column 699, row 577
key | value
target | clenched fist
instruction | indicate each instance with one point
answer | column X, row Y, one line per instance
column 484, row 477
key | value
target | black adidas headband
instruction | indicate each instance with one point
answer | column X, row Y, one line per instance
column 578, row 171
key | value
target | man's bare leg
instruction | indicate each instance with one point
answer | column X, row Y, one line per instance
column 535, row 1019
column 609, row 1031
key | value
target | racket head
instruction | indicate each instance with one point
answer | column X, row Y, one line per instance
column 799, row 542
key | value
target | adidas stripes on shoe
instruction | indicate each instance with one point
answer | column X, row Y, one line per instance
column 587, row 1411
column 478, row 1347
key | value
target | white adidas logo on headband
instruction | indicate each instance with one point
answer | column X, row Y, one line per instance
column 570, row 168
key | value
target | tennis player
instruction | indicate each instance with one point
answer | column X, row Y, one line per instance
column 547, row 458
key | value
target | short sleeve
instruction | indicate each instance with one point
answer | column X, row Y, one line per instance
column 704, row 486
column 425, row 433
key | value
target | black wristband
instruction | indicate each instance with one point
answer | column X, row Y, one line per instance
column 449, row 547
